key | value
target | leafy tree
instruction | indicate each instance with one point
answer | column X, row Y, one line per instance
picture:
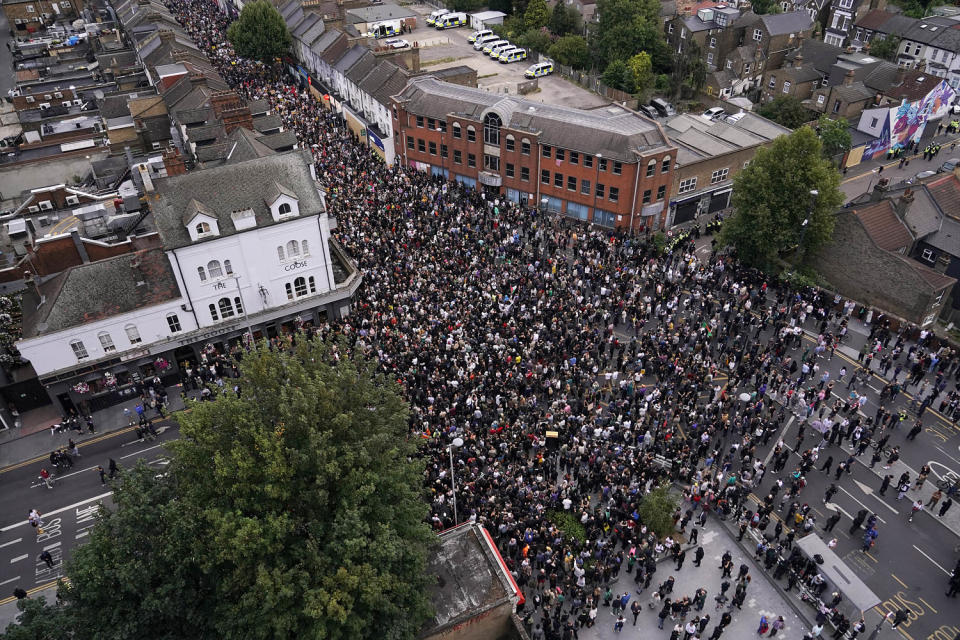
column 787, row 111
column 771, row 199
column 564, row 20
column 625, row 28
column 536, row 39
column 761, row 7
column 294, row 510
column 689, row 70
column 886, row 48
column 656, row 511
column 571, row 51
column 465, row 5
column 504, row 6
column 618, row 75
column 38, row 621
column 259, row 33
column 641, row 71
column 834, row 134
column 537, row 14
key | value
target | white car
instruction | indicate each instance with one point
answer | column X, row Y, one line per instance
column 713, row 113
column 396, row 43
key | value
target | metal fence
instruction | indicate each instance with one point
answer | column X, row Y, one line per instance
column 595, row 84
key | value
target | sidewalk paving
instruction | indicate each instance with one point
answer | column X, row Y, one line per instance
column 9, row 611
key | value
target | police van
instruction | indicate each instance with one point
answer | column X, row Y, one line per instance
column 487, row 48
column 434, row 16
column 539, row 70
column 512, row 55
column 451, row 21
column 498, row 47
column 483, row 41
column 479, row 34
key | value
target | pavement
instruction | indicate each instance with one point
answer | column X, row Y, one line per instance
column 9, row 613
column 6, row 58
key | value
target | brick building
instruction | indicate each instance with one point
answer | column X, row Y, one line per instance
column 29, row 16
column 609, row 166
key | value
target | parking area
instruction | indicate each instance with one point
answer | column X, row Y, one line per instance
column 450, row 48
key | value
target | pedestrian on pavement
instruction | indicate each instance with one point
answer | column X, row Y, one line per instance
column 635, row 609
column 902, row 490
column 827, row 464
column 934, row 499
column 618, row 625
column 47, row 558
column 832, row 522
column 694, row 535
column 945, row 506
column 900, row 617
column 831, row 491
column 680, row 558
column 764, row 626
column 45, row 476
column 73, row 448
column 698, row 556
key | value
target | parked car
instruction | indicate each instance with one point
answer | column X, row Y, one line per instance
column 539, row 70
column 512, row 55
column 663, row 107
column 396, row 43
column 734, row 118
column 479, row 34
column 949, row 165
column 713, row 113
column 649, row 111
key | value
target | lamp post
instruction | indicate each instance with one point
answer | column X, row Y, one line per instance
column 806, row 221
column 442, row 167
column 456, row 444
column 596, row 183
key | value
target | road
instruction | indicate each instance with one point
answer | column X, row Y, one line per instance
column 69, row 509
column 854, row 185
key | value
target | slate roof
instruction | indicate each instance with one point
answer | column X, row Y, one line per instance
column 350, row 57
column 947, row 237
column 945, row 192
column 916, row 85
column 361, row 67
column 393, row 85
column 933, row 278
column 267, row 123
column 782, row 23
column 816, row 53
column 855, row 92
column 613, row 131
column 883, row 226
column 240, row 145
column 806, row 73
column 99, row 290
column 232, row 187
column 258, row 107
column 194, row 116
column 282, row 140
column 874, row 20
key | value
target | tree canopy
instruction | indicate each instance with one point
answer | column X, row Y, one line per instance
column 260, row 32
column 834, row 135
column 571, row 51
column 294, row 510
column 537, row 14
column 886, row 48
column 771, row 200
column 625, row 28
column 787, row 111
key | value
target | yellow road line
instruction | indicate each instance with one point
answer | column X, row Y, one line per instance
column 66, row 223
column 900, row 581
column 927, row 603
column 10, row 599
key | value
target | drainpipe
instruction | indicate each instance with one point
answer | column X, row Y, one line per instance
column 633, row 202
column 186, row 289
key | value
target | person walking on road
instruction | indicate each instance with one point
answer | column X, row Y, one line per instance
column 832, row 522
column 45, row 476
column 46, row 557
column 114, row 469
column 885, row 484
column 103, row 474
column 916, row 508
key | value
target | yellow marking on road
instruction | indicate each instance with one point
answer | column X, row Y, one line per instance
column 35, row 590
column 867, row 553
column 900, row 581
column 64, row 225
column 926, row 603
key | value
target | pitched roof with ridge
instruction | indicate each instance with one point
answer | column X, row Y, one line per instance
column 946, row 193
column 883, row 225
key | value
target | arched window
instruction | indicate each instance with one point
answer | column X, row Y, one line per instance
column 491, row 128
column 665, row 166
column 213, row 312
column 280, row 254
column 300, row 286
column 289, row 288
column 304, row 248
column 293, row 249
column 471, row 134
column 456, row 130
column 511, row 143
column 106, row 342
column 213, row 268
column 202, row 228
column 284, row 209
column 133, row 334
column 313, row 284
column 226, row 307
column 238, row 303
column 651, row 168
column 227, row 267
column 202, row 273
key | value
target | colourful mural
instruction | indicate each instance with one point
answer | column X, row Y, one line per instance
column 905, row 123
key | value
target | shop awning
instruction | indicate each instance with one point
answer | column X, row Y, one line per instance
column 839, row 574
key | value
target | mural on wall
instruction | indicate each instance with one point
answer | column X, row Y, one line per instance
column 905, row 123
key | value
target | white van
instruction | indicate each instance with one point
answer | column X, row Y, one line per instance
column 513, row 55
column 539, row 70
column 451, row 21
column 497, row 48
column 480, row 43
column 432, row 18
column 479, row 34
column 487, row 48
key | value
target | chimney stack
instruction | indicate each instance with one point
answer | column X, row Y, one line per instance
column 848, row 78
column 173, row 162
column 903, row 203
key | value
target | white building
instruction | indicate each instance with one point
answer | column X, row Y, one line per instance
column 245, row 246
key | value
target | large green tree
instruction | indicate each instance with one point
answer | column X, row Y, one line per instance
column 564, row 20
column 571, row 51
column 259, row 33
column 689, row 72
column 771, row 200
column 537, row 14
column 295, row 510
column 886, row 48
column 787, row 111
column 834, row 135
column 625, row 28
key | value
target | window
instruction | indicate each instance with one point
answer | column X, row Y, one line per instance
column 525, row 147
column 202, row 228
column 443, row 126
column 729, row 64
column 227, row 267
column 491, row 129
column 106, row 342
column 661, row 192
column 665, row 165
column 284, row 209
column 226, row 307
column 757, row 35
column 471, row 160
column 561, row 155
column 546, row 151
column 491, row 163
column 647, row 196
column 617, row 168
column 313, row 284
column 525, row 174
column 571, row 183
column 545, row 176
column 471, row 134
column 687, row 185
column 457, row 156
column 213, row 268
column 419, row 122
column 772, row 82
column 431, row 123
column 710, row 58
column 213, row 312
column 558, row 180
column 588, row 161
column 173, row 322
column 821, row 98
column 574, row 157
column 651, row 168
column 132, row 334
column 304, row 248
column 603, row 164
column 202, row 274
column 289, row 289
column 614, row 194
column 78, row 349
column 511, row 143
column 238, row 303
column 928, row 255
column 683, row 33
column 443, row 151
column 786, row 86
column 601, row 190
column 719, row 176
column 746, row 68
column 836, row 106
column 456, row 130
column 300, row 286
column 585, row 187
column 713, row 43
column 410, row 143
column 421, row 145
column 670, row 28
column 433, row 148
column 510, row 170
column 293, row 249
column 873, row 122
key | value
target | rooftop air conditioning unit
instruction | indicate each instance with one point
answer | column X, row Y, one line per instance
column 46, row 205
column 33, row 209
column 44, row 105
column 57, row 94
column 72, row 200
column 78, row 102
column 66, row 103
column 31, row 99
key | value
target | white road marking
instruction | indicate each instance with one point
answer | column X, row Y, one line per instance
column 51, row 546
column 82, row 534
column 852, row 497
column 19, row 558
column 136, row 453
column 948, row 455
column 9, row 581
column 61, row 510
column 7, row 544
column 833, row 506
column 931, row 559
column 61, row 477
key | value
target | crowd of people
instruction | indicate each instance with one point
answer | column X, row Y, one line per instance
column 505, row 325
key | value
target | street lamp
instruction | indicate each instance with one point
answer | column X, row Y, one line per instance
column 806, row 221
column 442, row 167
column 595, row 185
column 456, row 444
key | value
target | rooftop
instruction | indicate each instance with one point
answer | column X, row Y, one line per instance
column 883, row 225
column 378, row 12
column 697, row 138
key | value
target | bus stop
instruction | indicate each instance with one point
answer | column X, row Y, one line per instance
column 839, row 575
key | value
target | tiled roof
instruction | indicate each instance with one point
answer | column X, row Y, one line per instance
column 883, row 225
column 875, row 19
column 916, row 85
column 946, row 193
column 933, row 278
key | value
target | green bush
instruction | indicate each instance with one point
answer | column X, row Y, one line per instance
column 656, row 511
column 568, row 524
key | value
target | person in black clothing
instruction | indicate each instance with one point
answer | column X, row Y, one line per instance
column 832, row 522
column 885, row 484
column 698, row 556
column 858, row 520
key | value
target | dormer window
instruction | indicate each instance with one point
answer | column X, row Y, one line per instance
column 200, row 221
column 202, row 228
column 283, row 202
column 284, row 209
